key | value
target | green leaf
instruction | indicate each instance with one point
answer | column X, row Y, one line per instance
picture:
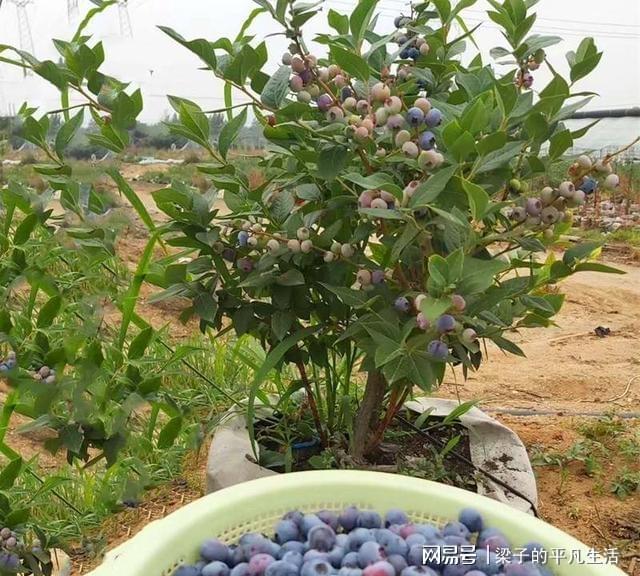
column 428, row 191
column 509, row 346
column 132, row 197
column 351, row 63
column 331, row 161
column 580, row 252
column 230, row 132
column 354, row 298
column 478, row 275
column 406, row 238
column 10, row 473
column 275, row 91
column 499, row 158
column 597, row 267
column 169, row 433
column 291, row 277
column 49, row 311
column 560, row 143
column 67, row 132
column 281, row 322
column 139, row 344
column 478, row 199
column 339, row 22
column 433, row 308
column 360, row 19
column 24, row 230
column 444, row 9
column 200, row 47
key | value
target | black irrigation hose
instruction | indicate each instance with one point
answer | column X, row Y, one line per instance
column 470, row 463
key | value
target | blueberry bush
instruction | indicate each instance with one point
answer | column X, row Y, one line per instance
column 394, row 230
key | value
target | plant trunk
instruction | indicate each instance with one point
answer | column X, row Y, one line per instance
column 369, row 413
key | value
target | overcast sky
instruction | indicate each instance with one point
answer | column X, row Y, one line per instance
column 152, row 61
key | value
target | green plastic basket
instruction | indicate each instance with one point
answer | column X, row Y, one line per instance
column 256, row 506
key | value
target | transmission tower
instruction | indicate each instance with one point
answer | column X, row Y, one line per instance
column 24, row 28
column 125, row 19
column 72, row 9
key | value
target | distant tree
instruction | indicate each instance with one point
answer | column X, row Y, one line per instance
column 216, row 122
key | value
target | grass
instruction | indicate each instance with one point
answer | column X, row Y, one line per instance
column 628, row 236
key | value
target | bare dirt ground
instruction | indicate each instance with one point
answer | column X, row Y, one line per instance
column 568, row 371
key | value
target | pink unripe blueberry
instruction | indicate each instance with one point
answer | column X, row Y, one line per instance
column 324, row 102
column 612, row 181
column 445, row 323
column 534, row 206
column 364, row 277
column 296, row 84
column 380, row 92
column 379, row 203
column 340, row 81
column 361, row 133
column 393, row 105
column 377, row 277
column 362, row 107
column 566, row 189
column 380, row 568
column 387, row 197
column 245, row 265
column 411, row 188
column 297, row 64
column 323, row 75
column 294, row 245
column 423, row 104
column 422, row 321
column 365, row 199
column 402, row 137
column 306, row 246
column 335, row 114
column 458, row 302
column 411, row 149
column 329, row 257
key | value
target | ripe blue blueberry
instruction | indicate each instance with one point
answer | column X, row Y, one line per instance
column 316, row 568
column 358, row 536
column 243, row 236
column 401, row 304
column 522, row 570
column 350, row 560
column 294, row 515
column 214, row 550
column 433, row 118
column 487, row 562
column 321, row 538
column 370, row 553
column 252, row 544
column 278, row 568
column 589, row 185
column 392, row 543
column 324, row 102
column 395, row 516
column 336, row 556
column 329, row 518
column 369, row 518
column 287, row 530
column 398, row 562
column 414, row 53
column 312, row 554
column 427, row 140
column 309, row 521
column 418, row 571
column 472, row 519
column 181, row 571
column 404, row 54
column 495, row 543
column 438, row 349
column 229, row 254
column 292, row 557
column 415, row 539
column 455, row 570
column 258, row 564
column 446, row 323
column 533, row 550
column 415, row 116
column 456, row 529
column 350, row 571
column 398, row 21
column 292, row 546
column 215, row 568
column 429, row 531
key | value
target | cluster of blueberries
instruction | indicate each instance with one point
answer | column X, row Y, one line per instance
column 412, row 46
column 9, row 362
column 362, row 543
column 9, row 548
column 45, row 374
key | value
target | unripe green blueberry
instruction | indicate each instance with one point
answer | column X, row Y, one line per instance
column 418, row 300
column 361, row 134
column 293, row 48
column 306, row 246
column 547, row 195
column 566, row 189
column 515, row 185
column 584, row 162
column 549, row 215
column 612, row 181
column 286, row 59
column 381, row 152
column 336, row 247
column 335, row 114
column 314, row 90
column 350, row 103
column 273, row 245
column 533, row 65
column 246, row 225
column 468, row 336
column 323, row 75
column 548, row 233
column 294, row 245
column 578, row 198
column 411, row 149
column 387, row 196
column 340, row 81
column 379, row 203
column 380, row 92
column 298, row 65
column 296, row 84
column 218, row 247
column 303, row 233
column 347, row 250
column 329, row 257
column 393, row 105
column 364, row 277
column 333, row 70
column 252, row 241
column 402, row 137
column 423, row 104
column 304, row 97
column 424, row 49
column 381, row 116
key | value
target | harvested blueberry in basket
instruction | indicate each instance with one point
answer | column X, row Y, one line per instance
column 363, row 543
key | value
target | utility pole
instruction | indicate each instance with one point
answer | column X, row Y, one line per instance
column 125, row 19
column 24, row 29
